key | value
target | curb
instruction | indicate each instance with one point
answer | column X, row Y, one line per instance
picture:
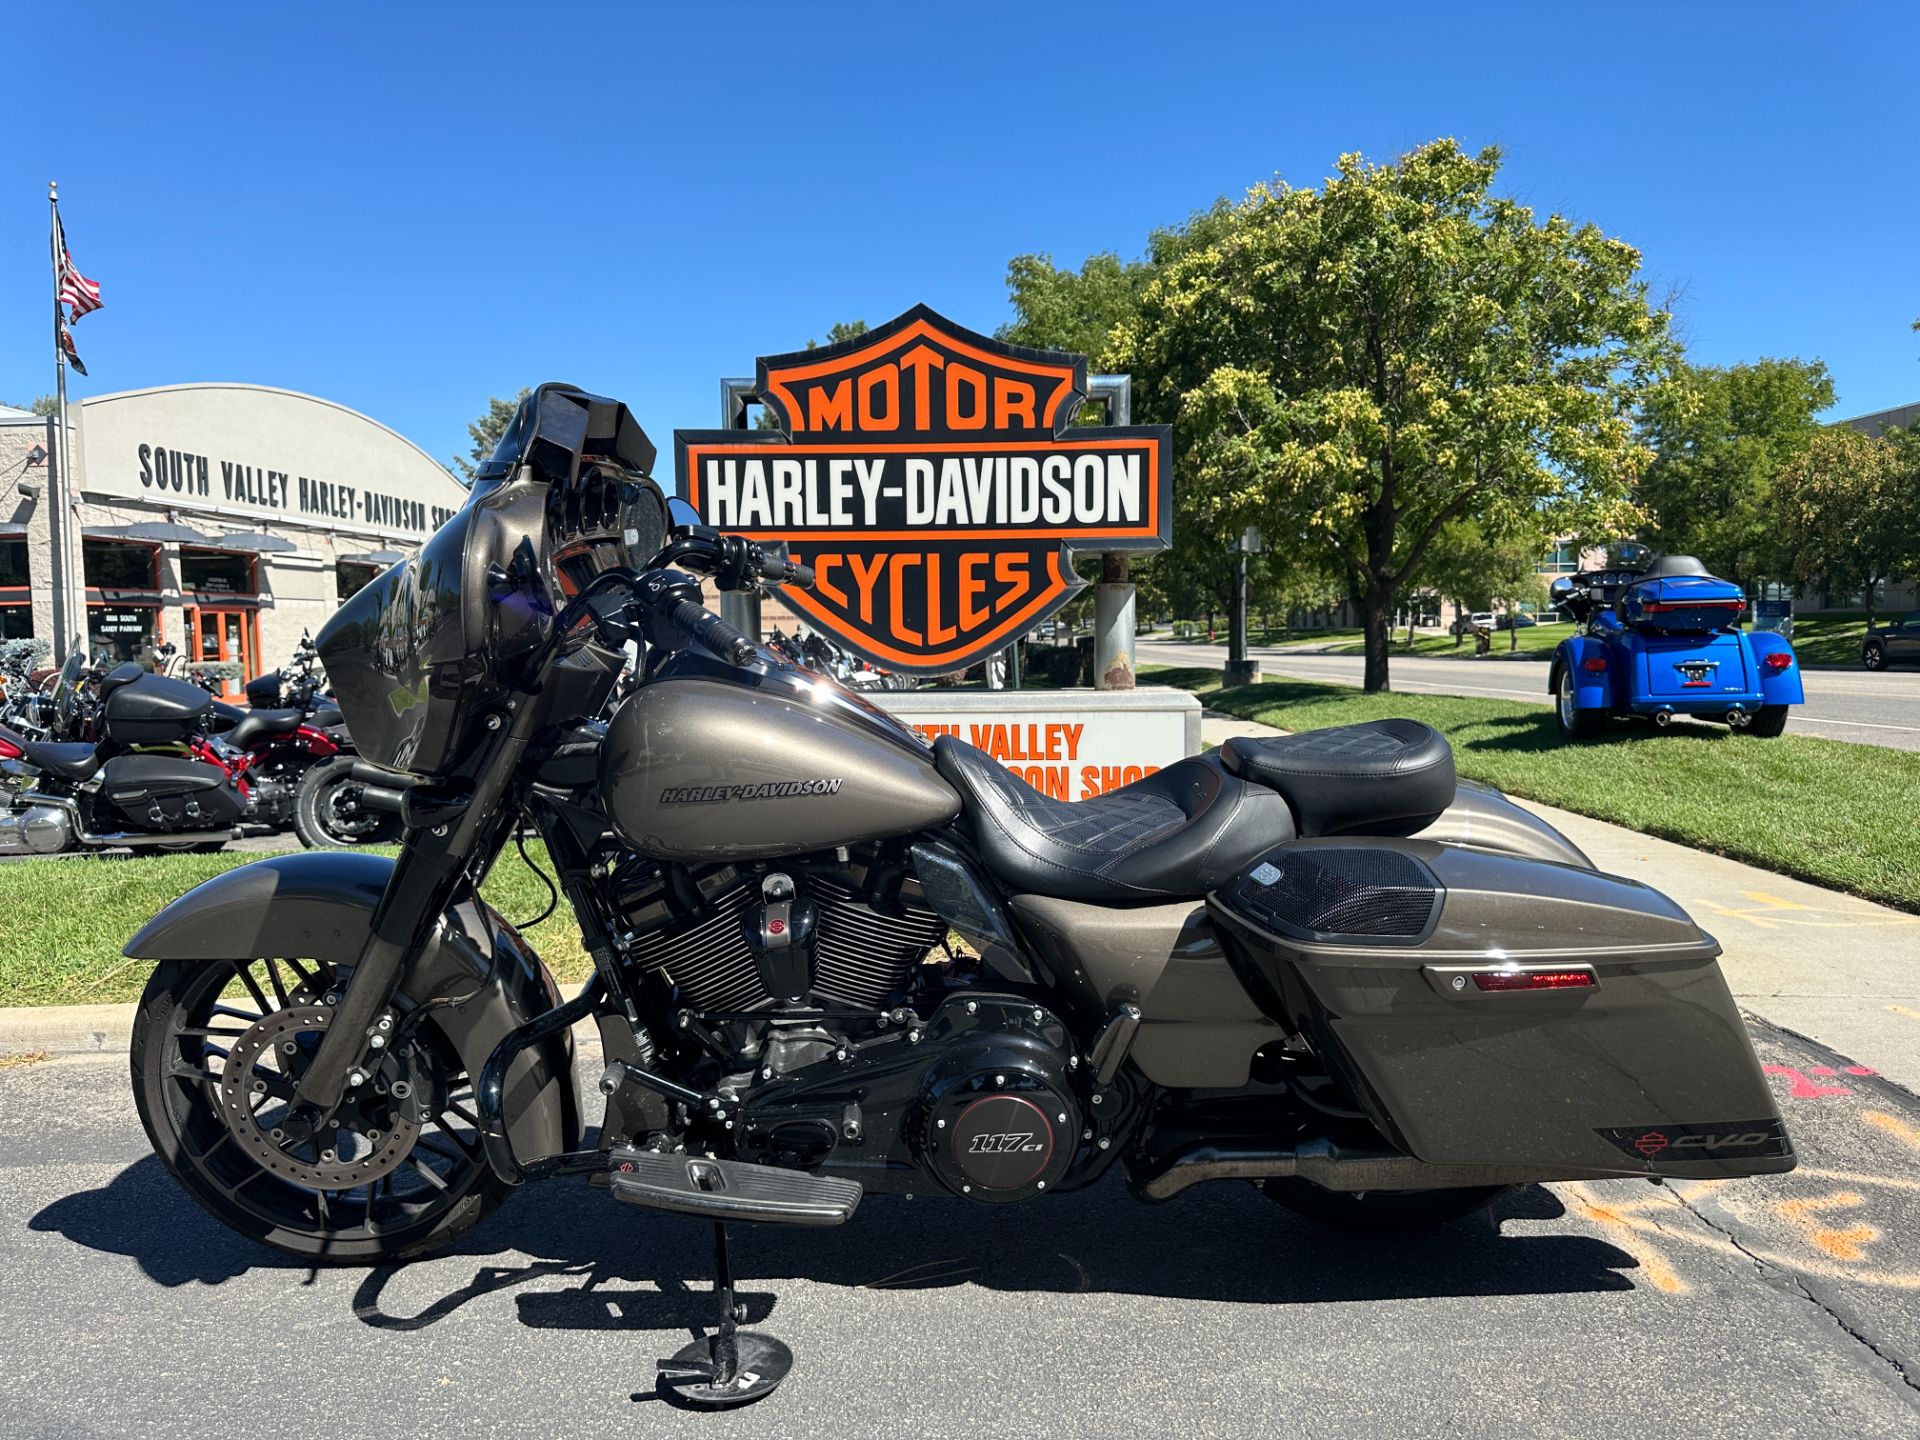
column 66, row 1029
column 85, row 1029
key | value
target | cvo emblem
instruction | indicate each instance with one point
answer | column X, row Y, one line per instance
column 935, row 482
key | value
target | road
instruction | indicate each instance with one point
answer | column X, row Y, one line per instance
column 1868, row 709
column 1783, row 1307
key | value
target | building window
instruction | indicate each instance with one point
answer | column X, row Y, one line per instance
column 351, row 578
column 14, row 573
column 216, row 572
column 118, row 633
column 1564, row 559
column 118, row 565
column 16, row 622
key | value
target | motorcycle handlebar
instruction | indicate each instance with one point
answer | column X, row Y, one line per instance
column 712, row 632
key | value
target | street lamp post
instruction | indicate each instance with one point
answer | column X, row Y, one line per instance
column 1240, row 670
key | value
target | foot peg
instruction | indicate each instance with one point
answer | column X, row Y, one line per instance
column 724, row 1190
column 731, row 1366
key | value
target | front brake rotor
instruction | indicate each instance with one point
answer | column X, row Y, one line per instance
column 365, row 1138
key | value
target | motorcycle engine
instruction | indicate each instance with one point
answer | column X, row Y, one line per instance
column 846, row 937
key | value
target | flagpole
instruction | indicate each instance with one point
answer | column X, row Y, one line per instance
column 60, row 516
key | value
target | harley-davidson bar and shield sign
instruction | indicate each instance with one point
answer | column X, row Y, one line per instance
column 933, row 479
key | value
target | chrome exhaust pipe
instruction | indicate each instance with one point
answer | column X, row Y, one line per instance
column 1663, row 718
column 1327, row 1165
column 1738, row 716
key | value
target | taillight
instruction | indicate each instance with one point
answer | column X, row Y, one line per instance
column 1777, row 660
column 1534, row 979
column 1594, row 664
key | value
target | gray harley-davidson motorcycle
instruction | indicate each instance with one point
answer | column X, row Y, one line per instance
column 1317, row 963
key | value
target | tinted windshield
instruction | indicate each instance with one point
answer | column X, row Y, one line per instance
column 63, row 687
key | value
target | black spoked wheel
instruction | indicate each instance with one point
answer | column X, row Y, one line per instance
column 1380, row 1209
column 328, row 813
column 397, row 1171
column 1874, row 656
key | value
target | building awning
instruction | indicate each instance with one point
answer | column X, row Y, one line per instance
column 12, row 530
column 374, row 557
column 150, row 530
column 255, row 541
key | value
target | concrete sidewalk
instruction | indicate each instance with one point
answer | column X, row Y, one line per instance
column 1839, row 970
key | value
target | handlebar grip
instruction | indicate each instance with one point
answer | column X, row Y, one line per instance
column 712, row 632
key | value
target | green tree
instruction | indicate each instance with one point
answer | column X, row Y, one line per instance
column 486, row 433
column 1076, row 310
column 1478, row 570
column 1844, row 505
column 43, row 406
column 1362, row 363
column 1720, row 436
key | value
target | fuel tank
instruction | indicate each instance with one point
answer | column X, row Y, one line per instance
column 701, row 766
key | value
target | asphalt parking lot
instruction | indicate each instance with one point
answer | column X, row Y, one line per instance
column 1788, row 1306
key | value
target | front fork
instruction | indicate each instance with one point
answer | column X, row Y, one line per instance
column 443, row 832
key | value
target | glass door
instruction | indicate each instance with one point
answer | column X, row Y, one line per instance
column 225, row 637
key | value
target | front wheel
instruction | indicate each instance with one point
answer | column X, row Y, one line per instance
column 1767, row 722
column 1874, row 655
column 218, row 1047
column 1380, row 1209
column 328, row 813
column 1575, row 723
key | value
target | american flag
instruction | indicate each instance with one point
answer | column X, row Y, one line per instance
column 76, row 290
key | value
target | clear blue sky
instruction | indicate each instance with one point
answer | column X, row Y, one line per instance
column 407, row 208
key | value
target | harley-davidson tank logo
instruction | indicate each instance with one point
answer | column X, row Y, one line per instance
column 769, row 790
column 935, row 481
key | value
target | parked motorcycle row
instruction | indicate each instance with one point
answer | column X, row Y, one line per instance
column 100, row 756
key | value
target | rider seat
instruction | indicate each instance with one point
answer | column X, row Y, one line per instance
column 256, row 725
column 1176, row 834
column 76, row 761
column 1385, row 777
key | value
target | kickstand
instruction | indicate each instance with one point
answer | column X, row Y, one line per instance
column 731, row 1366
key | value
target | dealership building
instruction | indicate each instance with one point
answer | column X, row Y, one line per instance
column 221, row 519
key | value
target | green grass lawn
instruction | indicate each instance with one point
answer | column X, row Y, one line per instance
column 1831, row 639
column 1826, row 811
column 1536, row 642
column 62, row 922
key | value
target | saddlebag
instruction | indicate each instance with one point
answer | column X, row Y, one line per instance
column 165, row 792
column 1490, row 1009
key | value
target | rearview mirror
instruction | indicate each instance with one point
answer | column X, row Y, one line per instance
column 1561, row 588
column 680, row 512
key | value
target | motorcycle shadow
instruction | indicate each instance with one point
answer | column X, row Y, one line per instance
column 627, row 1269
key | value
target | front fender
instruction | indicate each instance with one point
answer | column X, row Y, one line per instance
column 318, row 905
column 1591, row 690
column 1777, row 687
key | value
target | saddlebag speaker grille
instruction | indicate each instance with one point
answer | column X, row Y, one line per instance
column 1341, row 893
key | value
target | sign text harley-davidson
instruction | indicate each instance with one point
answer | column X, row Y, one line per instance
column 933, row 479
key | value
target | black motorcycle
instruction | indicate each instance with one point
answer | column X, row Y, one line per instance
column 1316, row 963
column 151, row 776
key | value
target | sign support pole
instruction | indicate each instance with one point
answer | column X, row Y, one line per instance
column 1115, row 622
column 739, row 608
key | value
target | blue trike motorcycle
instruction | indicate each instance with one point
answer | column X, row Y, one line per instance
column 1663, row 640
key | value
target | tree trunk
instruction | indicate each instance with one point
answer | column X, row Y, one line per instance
column 1411, row 615
column 1513, row 630
column 1376, row 610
